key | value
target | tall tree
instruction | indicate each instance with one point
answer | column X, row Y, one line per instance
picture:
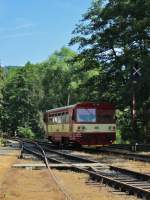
column 57, row 82
column 30, row 90
column 2, row 79
column 114, row 37
column 21, row 97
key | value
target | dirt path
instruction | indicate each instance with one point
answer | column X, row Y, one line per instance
column 23, row 184
column 27, row 184
column 30, row 185
column 6, row 160
column 37, row 185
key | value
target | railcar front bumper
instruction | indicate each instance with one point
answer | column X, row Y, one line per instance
column 95, row 139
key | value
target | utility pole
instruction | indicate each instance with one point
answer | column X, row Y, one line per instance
column 136, row 74
column 68, row 100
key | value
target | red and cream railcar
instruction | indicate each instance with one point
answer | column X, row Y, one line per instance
column 85, row 124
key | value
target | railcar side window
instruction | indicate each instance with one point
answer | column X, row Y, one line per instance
column 86, row 115
column 73, row 115
column 105, row 118
column 50, row 119
column 54, row 119
column 65, row 118
column 59, row 118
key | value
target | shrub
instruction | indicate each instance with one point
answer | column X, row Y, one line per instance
column 25, row 132
column 2, row 141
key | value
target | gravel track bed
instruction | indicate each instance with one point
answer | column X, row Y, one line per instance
column 118, row 161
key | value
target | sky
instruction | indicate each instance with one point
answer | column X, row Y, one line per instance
column 31, row 30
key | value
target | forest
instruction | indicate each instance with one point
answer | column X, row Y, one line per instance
column 111, row 65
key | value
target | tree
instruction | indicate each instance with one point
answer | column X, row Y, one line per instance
column 58, row 82
column 2, row 80
column 113, row 38
column 30, row 90
column 21, row 97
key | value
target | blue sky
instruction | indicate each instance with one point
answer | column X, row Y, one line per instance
column 31, row 30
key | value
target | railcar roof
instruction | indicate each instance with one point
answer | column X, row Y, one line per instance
column 61, row 108
column 70, row 106
column 77, row 104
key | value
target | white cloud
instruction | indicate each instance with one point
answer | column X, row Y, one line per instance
column 18, row 35
column 20, row 28
column 17, row 27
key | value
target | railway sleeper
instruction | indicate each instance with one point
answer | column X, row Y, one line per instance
column 130, row 189
column 140, row 192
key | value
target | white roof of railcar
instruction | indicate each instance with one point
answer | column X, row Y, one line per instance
column 71, row 106
column 61, row 108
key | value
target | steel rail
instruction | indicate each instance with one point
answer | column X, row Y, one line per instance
column 129, row 155
column 131, row 147
column 43, row 156
column 132, row 189
column 142, row 176
column 131, row 185
column 120, row 151
column 74, row 157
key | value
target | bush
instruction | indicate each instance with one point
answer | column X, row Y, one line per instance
column 118, row 137
column 127, row 132
column 2, row 141
column 25, row 132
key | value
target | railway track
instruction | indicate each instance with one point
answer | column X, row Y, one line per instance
column 131, row 147
column 112, row 149
column 121, row 179
column 126, row 154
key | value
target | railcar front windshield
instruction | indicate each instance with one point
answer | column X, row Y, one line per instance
column 86, row 115
column 106, row 116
